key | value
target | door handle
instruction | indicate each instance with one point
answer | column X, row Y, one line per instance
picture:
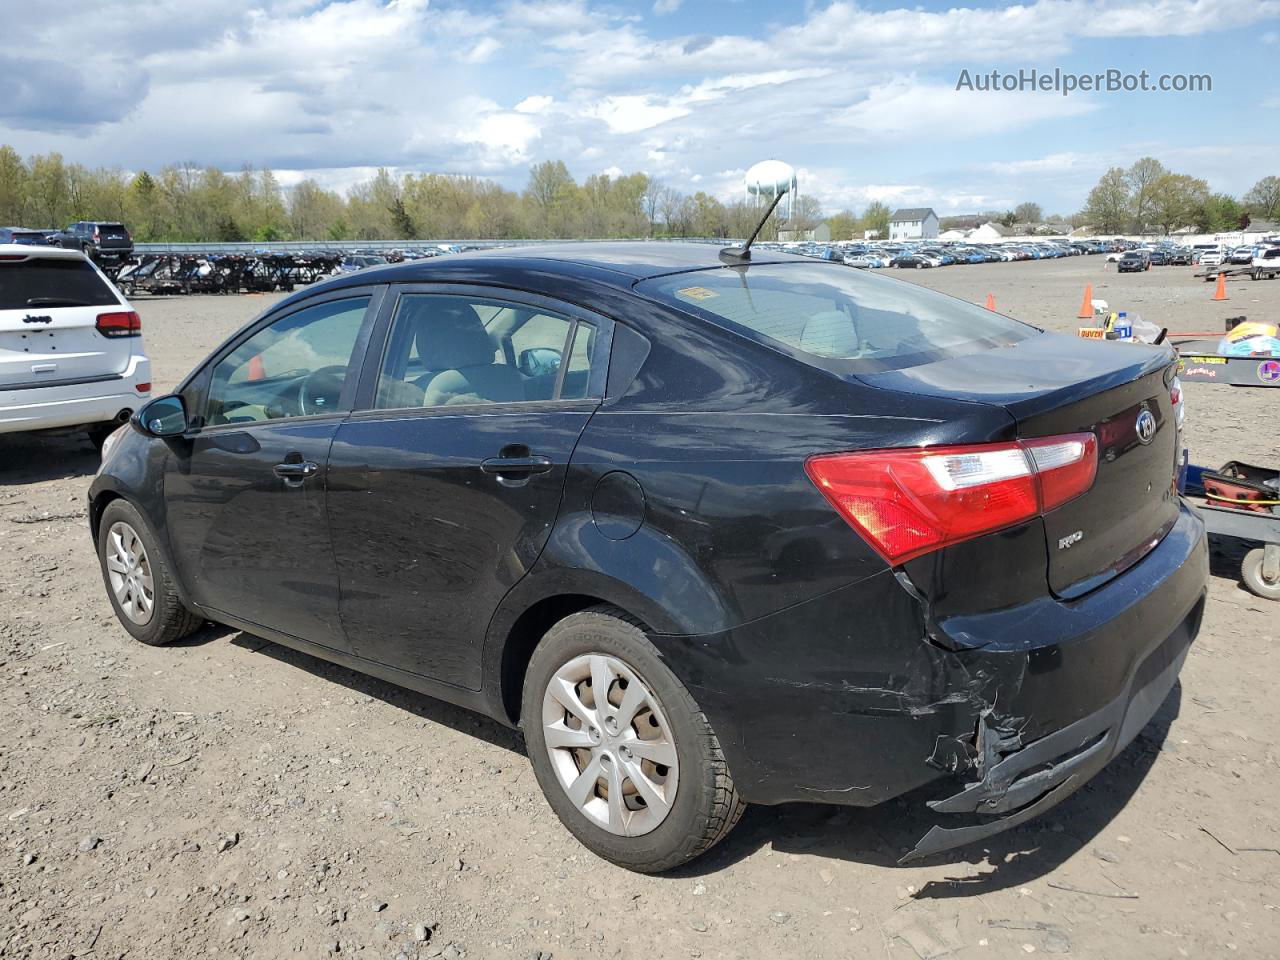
column 296, row 471
column 512, row 466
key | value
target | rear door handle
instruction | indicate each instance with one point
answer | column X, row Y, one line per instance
column 516, row 466
column 296, row 471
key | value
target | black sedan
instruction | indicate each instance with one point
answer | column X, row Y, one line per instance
column 711, row 531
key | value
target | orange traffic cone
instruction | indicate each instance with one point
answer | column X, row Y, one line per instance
column 1086, row 305
column 256, row 370
column 1221, row 292
column 991, row 301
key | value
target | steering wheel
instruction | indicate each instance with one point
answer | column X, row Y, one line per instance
column 321, row 389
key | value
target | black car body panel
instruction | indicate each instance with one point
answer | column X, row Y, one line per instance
column 678, row 492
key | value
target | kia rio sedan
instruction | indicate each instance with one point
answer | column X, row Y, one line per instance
column 710, row 532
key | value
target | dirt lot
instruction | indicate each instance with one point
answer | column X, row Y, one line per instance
column 229, row 797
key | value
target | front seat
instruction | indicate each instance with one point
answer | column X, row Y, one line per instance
column 454, row 342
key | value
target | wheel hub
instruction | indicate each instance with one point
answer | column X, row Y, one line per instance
column 610, row 744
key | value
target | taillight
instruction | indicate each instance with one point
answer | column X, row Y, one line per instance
column 1175, row 397
column 119, row 324
column 96, row 238
column 907, row 503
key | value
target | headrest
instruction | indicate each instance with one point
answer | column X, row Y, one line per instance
column 450, row 335
column 829, row 334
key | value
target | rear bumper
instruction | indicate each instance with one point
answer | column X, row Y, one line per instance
column 844, row 699
column 74, row 404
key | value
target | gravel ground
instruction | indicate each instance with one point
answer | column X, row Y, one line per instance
column 230, row 797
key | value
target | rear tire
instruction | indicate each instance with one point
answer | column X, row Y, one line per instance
column 138, row 579
column 653, row 738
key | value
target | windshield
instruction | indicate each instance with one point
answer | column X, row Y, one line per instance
column 829, row 312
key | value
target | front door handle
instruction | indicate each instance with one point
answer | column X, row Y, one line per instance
column 516, row 466
column 296, row 471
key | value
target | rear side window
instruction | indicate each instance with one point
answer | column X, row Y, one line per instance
column 46, row 282
column 836, row 313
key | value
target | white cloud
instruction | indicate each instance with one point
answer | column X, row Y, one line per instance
column 663, row 7
column 483, row 51
column 632, row 114
column 858, row 96
column 534, row 104
column 912, row 110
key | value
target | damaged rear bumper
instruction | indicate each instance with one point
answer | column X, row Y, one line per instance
column 1019, row 782
column 852, row 698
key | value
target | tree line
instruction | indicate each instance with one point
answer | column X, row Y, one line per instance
column 186, row 202
column 1148, row 197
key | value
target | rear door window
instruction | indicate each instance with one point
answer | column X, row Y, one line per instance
column 836, row 316
column 49, row 282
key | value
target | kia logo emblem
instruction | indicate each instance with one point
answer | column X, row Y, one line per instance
column 1146, row 426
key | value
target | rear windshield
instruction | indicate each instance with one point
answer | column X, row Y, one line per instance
column 112, row 230
column 41, row 282
column 837, row 315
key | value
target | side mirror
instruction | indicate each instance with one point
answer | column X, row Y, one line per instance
column 539, row 362
column 162, row 417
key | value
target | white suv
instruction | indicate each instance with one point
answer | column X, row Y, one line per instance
column 70, row 345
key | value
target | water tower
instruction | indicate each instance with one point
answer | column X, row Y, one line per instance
column 769, row 179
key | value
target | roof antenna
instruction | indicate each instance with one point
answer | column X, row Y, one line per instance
column 769, row 177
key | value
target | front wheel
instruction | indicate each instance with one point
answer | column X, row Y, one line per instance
column 622, row 752
column 139, row 582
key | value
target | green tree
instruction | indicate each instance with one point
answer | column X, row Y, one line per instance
column 1175, row 200
column 1028, row 213
column 1140, row 180
column 400, row 220
column 1220, row 213
column 1263, row 198
column 49, row 190
column 14, row 189
column 876, row 218
column 1108, row 209
column 843, row 225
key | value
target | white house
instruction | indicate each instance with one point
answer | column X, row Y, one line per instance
column 913, row 223
column 990, row 231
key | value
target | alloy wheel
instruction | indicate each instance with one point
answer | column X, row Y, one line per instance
column 129, row 571
column 610, row 744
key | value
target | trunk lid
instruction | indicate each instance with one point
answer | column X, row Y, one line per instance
column 49, row 307
column 1052, row 384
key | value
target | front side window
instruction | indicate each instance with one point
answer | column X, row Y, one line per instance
column 458, row 350
column 295, row 367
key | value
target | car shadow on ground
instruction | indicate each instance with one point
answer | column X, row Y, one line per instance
column 420, row 705
column 881, row 835
column 37, row 457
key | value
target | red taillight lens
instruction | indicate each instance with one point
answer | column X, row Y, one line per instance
column 143, row 387
column 907, row 503
column 96, row 237
column 1065, row 467
column 119, row 324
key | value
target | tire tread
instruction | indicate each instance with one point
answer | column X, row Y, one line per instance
column 727, row 805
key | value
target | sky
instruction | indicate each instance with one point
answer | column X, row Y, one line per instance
column 860, row 97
